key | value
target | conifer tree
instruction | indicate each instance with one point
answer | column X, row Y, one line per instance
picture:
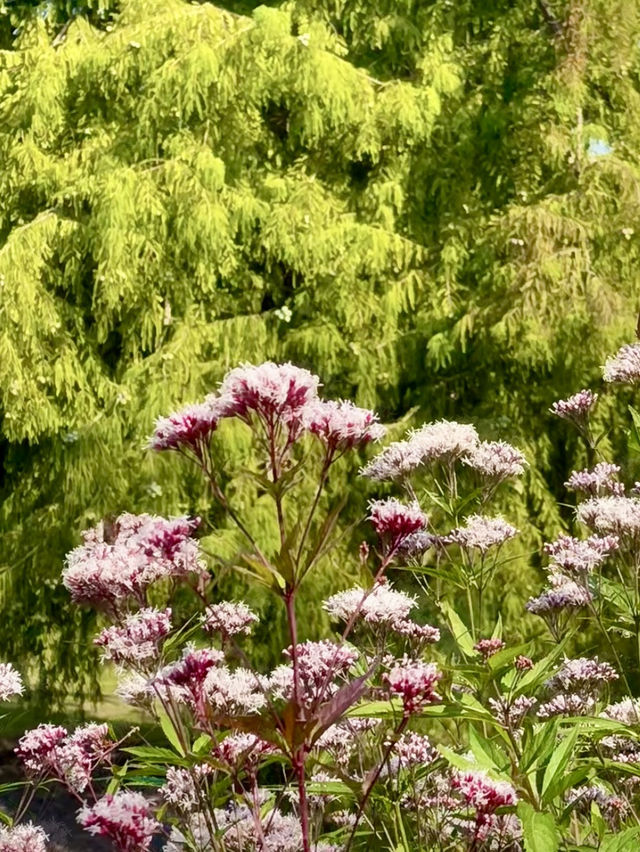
column 432, row 205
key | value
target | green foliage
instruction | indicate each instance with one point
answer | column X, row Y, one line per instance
column 402, row 196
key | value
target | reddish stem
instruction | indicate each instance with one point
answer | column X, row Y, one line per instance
column 298, row 757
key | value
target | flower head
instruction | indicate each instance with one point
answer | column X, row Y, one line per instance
column 624, row 366
column 414, row 749
column 380, row 605
column 600, row 480
column 579, row 557
column 576, row 408
column 582, row 675
column 276, row 393
column 341, row 425
column 511, row 713
column 320, row 664
column 618, row 515
column 48, row 751
column 396, row 461
column 141, row 549
column 612, row 806
column 182, row 786
column 125, row 818
column 23, row 838
column 496, row 460
column 414, row 682
column 242, row 751
column 571, row 704
column 191, row 427
column 186, row 677
column 488, row 647
column 10, row 682
column 395, row 521
column 567, row 595
column 483, row 793
column 626, row 711
column 36, row 748
column 443, row 441
column 482, row 533
column 136, row 641
column 234, row 693
column 229, row 618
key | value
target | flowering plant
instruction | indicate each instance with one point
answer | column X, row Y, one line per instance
column 394, row 732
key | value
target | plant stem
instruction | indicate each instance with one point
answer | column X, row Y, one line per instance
column 372, row 781
column 298, row 756
column 314, row 505
column 604, row 632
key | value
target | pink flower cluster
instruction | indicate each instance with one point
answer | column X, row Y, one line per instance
column 564, row 596
column 23, row 838
column 49, row 751
column 382, row 606
column 485, row 796
column 229, row 618
column 600, row 480
column 319, row 665
column 624, row 366
column 496, row 460
column 483, row 793
column 191, row 427
column 237, row 692
column 414, row 749
column 124, row 818
column 482, row 533
column 579, row 557
column 488, row 647
column 582, row 675
column 576, row 684
column 341, row 425
column 618, row 515
column 182, row 787
column 444, row 441
column 135, row 641
column 563, row 704
column 10, row 682
column 110, row 568
column 626, row 711
column 186, row 677
column 242, row 751
column 414, row 682
column 510, row 713
column 395, row 521
column 576, row 408
column 274, row 392
column 280, row 396
column 612, row 806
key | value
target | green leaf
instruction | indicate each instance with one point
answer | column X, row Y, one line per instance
column 597, row 821
column 458, row 761
column 169, row 731
column 459, row 630
column 538, row 829
column 202, row 745
column 633, row 435
column 486, row 752
column 156, row 754
column 624, row 841
column 558, row 762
